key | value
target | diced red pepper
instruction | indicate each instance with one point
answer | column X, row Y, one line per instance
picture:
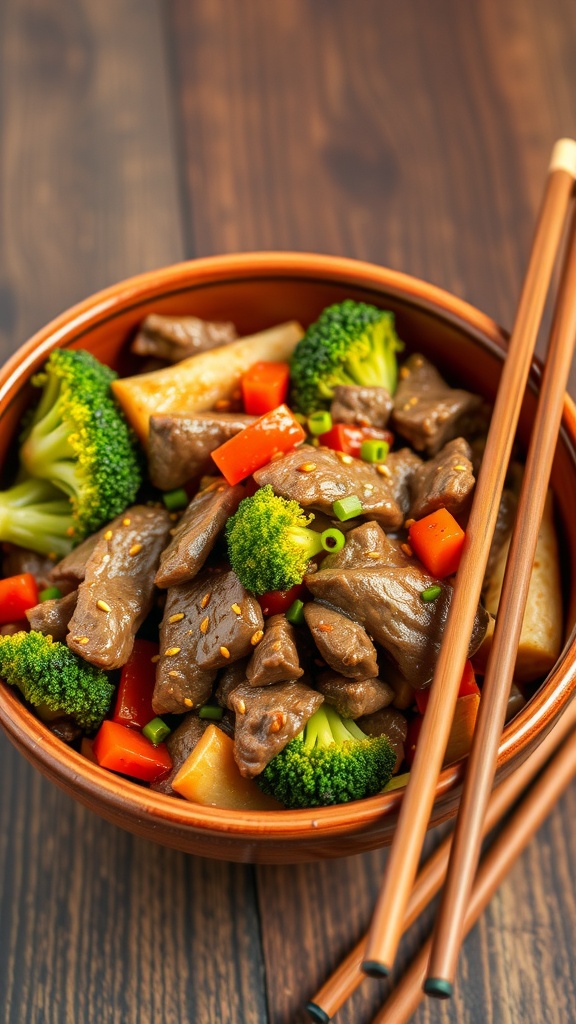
column 134, row 699
column 345, row 437
column 276, row 602
column 275, row 433
column 124, row 750
column 438, row 541
column 468, row 685
column 17, row 594
column 265, row 387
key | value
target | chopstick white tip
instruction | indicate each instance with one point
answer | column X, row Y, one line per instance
column 564, row 157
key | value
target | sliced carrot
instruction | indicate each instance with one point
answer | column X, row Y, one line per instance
column 265, row 387
column 210, row 776
column 275, row 433
column 438, row 540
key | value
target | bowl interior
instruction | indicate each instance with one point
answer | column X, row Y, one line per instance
column 256, row 291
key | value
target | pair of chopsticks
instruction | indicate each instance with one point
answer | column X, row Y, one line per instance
column 395, row 900
column 537, row 804
column 389, row 914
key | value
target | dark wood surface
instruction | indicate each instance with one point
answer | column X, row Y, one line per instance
column 133, row 134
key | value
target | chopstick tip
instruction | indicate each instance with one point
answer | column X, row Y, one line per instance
column 439, row 988
column 375, row 969
column 564, row 156
column 317, row 1013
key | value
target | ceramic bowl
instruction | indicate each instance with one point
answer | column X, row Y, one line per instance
column 256, row 291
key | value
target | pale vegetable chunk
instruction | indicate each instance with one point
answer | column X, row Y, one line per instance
column 541, row 637
column 196, row 384
column 210, row 776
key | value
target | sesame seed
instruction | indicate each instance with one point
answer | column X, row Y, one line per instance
column 188, row 702
column 224, row 652
column 205, row 600
column 155, row 658
column 414, row 400
column 108, row 535
column 404, row 372
column 325, row 627
column 204, row 625
column 103, row 606
column 135, row 549
column 407, row 550
column 383, row 470
column 172, row 651
column 373, row 554
column 241, row 707
column 126, row 522
column 275, row 724
column 106, row 558
column 256, row 637
column 408, row 523
column 346, row 459
column 460, row 468
column 81, row 639
column 236, row 609
column 307, row 467
column 177, row 617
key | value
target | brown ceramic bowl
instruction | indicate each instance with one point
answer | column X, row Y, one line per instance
column 256, row 291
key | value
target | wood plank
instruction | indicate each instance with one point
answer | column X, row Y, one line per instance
column 95, row 925
column 417, row 136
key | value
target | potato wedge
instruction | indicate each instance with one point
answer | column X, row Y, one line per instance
column 210, row 776
column 541, row 637
column 196, row 384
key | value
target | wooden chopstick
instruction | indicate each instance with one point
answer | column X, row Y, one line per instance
column 533, row 810
column 348, row 976
column 418, row 799
column 481, row 766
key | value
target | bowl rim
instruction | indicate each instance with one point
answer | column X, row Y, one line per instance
column 94, row 784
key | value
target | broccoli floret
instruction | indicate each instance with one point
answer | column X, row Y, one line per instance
column 49, row 675
column 350, row 343
column 330, row 762
column 78, row 441
column 269, row 545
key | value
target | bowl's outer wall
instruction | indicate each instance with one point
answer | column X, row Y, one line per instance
column 256, row 291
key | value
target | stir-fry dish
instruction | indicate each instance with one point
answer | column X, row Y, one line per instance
column 227, row 576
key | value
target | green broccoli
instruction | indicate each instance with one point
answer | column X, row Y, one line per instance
column 350, row 343
column 79, row 445
column 330, row 762
column 269, row 545
column 50, row 676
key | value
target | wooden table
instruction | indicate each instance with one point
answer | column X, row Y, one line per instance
column 135, row 134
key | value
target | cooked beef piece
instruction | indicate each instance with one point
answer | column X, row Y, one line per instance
column 366, row 407
column 65, row 728
column 267, row 718
column 197, row 532
column 276, row 656
column 179, row 447
column 52, row 617
column 180, row 744
column 10, row 628
column 504, row 523
column 446, row 480
column 354, row 697
column 390, row 723
column 366, row 545
column 118, row 589
column 229, row 678
column 17, row 560
column 334, row 476
column 232, row 625
column 387, row 602
column 342, row 643
column 173, row 338
column 427, row 412
column 180, row 682
column 400, row 468
column 72, row 568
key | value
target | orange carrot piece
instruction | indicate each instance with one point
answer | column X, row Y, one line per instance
column 437, row 540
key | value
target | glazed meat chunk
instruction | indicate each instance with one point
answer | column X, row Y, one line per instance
column 390, row 723
column 445, row 481
column 118, row 589
column 427, row 412
column 342, row 643
column 365, row 407
column 173, row 338
column 267, row 718
column 179, row 446
column 276, row 656
column 52, row 617
column 366, row 545
column 354, row 697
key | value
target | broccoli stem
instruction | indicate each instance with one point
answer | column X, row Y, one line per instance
column 35, row 515
column 308, row 541
column 326, row 727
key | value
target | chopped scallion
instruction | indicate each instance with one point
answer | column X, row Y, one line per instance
column 347, row 508
column 332, row 540
column 50, row 594
column 374, row 450
column 431, row 593
column 295, row 613
column 213, row 712
column 175, row 500
column 156, row 731
column 320, row 422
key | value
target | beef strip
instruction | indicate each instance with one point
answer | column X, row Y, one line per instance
column 179, row 446
column 180, row 745
column 197, row 532
column 353, row 698
column 427, row 412
column 267, row 718
column 181, row 684
column 365, row 407
column 387, row 602
column 342, row 643
column 334, row 476
column 52, row 617
column 173, row 338
column 390, row 723
column 72, row 568
column 17, row 560
column 229, row 678
column 118, row 589
column 276, row 656
column 234, row 623
column 400, row 468
column 366, row 545
column 65, row 728
column 446, row 481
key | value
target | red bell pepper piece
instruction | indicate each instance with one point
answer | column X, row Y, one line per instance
column 265, row 387
column 124, row 750
column 136, row 686
column 276, row 602
column 345, row 437
column 437, row 540
column 17, row 594
column 276, row 432
column 468, row 685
